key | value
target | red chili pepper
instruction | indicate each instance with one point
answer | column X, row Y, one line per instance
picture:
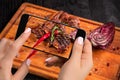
column 45, row 36
column 32, row 53
column 42, row 38
column 56, row 32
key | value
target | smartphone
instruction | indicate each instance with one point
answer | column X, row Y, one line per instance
column 33, row 22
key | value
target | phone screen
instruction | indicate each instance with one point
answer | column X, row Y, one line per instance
column 59, row 44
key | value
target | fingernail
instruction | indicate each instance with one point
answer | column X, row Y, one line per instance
column 28, row 61
column 80, row 40
column 27, row 30
column 48, row 59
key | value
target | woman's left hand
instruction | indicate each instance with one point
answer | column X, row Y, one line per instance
column 8, row 51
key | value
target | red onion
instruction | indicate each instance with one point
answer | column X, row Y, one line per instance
column 103, row 36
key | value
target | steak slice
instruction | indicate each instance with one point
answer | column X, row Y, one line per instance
column 61, row 42
column 38, row 31
column 57, row 17
column 47, row 27
column 70, row 20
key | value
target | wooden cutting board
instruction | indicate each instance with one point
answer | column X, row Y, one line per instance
column 106, row 62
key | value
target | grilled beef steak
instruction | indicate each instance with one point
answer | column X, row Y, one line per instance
column 61, row 41
column 38, row 31
column 70, row 20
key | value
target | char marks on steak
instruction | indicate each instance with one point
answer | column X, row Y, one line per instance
column 38, row 31
column 61, row 42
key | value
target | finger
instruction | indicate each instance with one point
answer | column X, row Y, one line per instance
column 14, row 48
column 22, row 71
column 4, row 44
column 23, row 37
column 87, row 50
column 86, row 59
column 77, row 49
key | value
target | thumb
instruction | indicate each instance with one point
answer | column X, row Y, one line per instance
column 22, row 71
column 77, row 49
column 87, row 59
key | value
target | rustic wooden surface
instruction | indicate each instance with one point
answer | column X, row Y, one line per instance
column 106, row 62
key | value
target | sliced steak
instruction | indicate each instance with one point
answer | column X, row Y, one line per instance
column 38, row 31
column 56, row 18
column 70, row 20
column 61, row 42
column 74, row 21
column 47, row 27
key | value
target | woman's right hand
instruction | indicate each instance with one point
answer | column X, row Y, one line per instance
column 80, row 62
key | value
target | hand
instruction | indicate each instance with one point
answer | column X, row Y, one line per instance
column 80, row 63
column 8, row 51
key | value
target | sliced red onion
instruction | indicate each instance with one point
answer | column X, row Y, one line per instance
column 103, row 36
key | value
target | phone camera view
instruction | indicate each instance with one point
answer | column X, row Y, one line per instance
column 53, row 36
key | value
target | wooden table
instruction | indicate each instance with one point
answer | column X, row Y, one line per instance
column 106, row 62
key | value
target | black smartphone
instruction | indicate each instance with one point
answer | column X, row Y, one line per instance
column 32, row 21
column 22, row 25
